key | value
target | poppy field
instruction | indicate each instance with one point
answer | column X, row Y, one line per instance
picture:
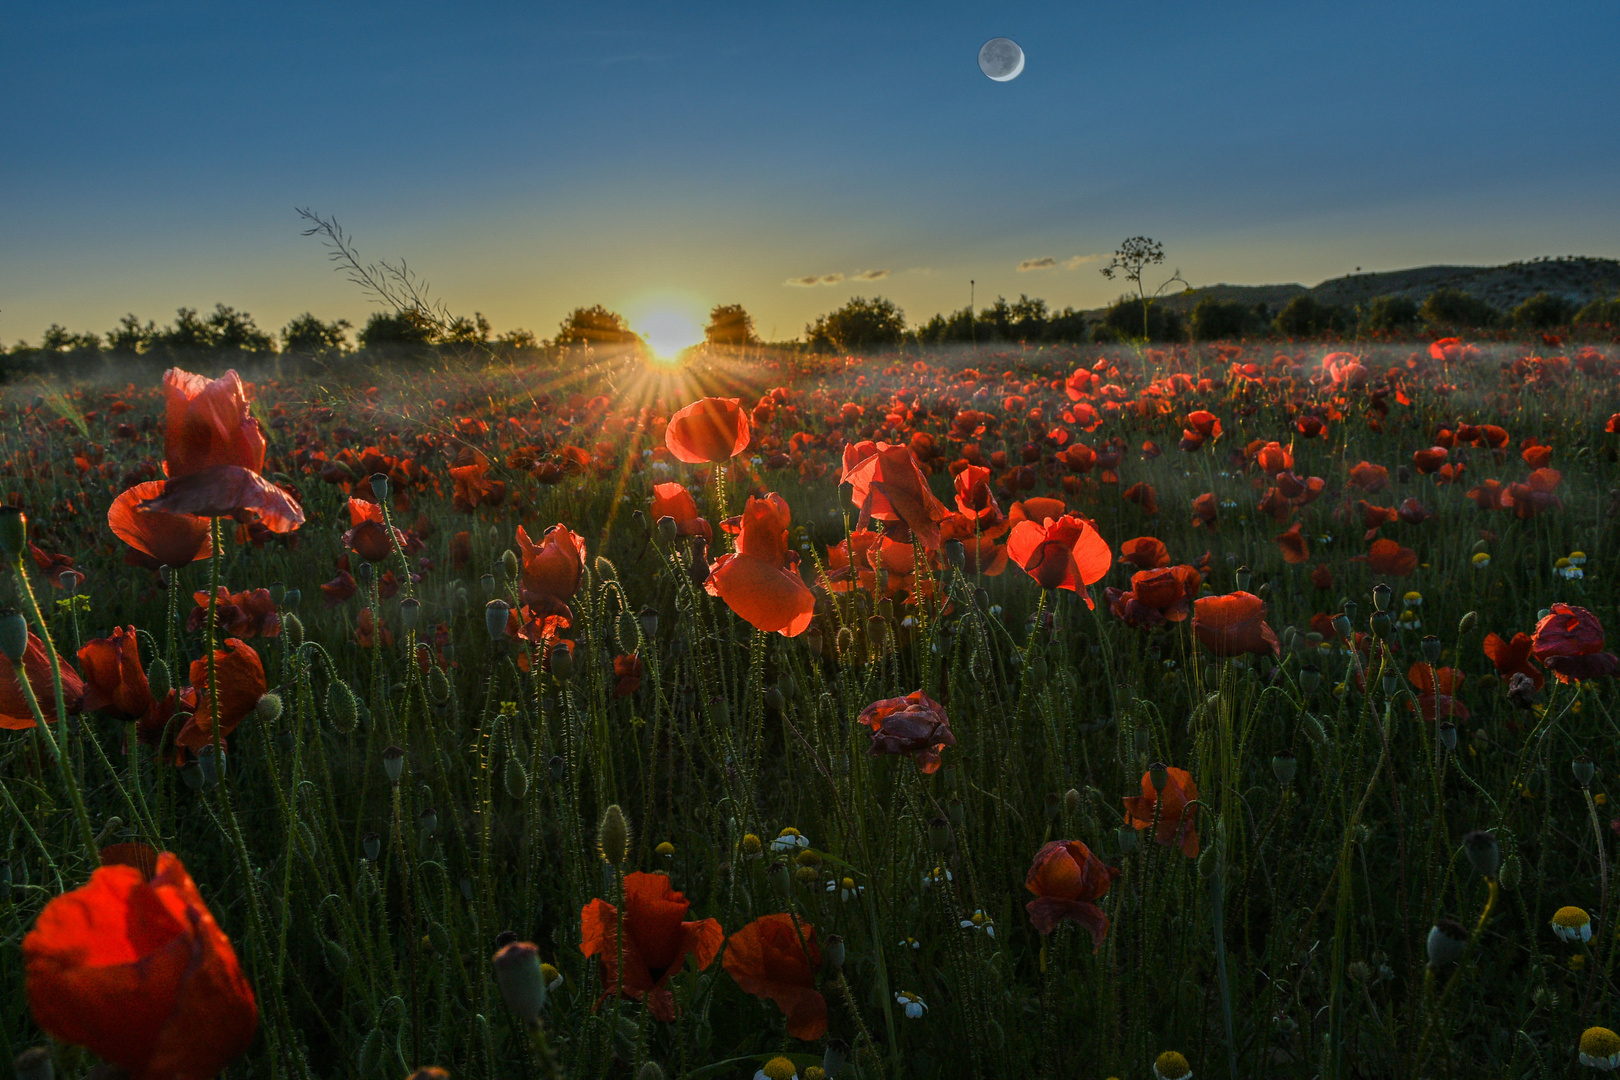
column 1221, row 711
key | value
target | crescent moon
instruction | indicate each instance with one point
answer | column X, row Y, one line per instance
column 1001, row 59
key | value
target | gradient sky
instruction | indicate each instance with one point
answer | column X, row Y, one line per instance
column 531, row 158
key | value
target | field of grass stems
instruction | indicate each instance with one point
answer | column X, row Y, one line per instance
column 424, row 771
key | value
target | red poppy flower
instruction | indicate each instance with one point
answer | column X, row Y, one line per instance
column 1388, row 557
column 240, row 674
column 889, row 485
column 673, row 501
column 1369, row 477
column 657, row 941
column 113, row 677
column 914, row 724
column 233, row 492
column 1295, row 548
column 1145, row 553
column 1513, row 657
column 983, row 554
column 1413, row 512
column 626, row 675
column 1534, row 495
column 1430, row 460
column 1488, row 496
column 1204, row 424
column 15, row 715
column 767, row 959
column 552, row 569
column 155, row 537
column 247, row 614
column 1067, row 553
column 760, row 581
column 207, row 424
column 974, row 499
column 1144, row 496
column 1204, row 510
column 1156, row 596
column 1569, row 641
column 1322, row 576
column 1068, row 880
column 710, row 429
column 1437, row 692
column 142, row 857
column 1233, row 624
column 1274, row 458
column 1178, row 825
column 138, row 972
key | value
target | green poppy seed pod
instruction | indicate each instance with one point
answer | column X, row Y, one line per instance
column 1310, row 678
column 1129, row 842
column 1158, row 775
column 650, row 1071
column 1242, row 577
column 1447, row 733
column 1447, row 941
column 639, row 521
column 267, row 710
column 627, row 631
column 1509, row 876
column 955, row 553
column 560, row 659
column 495, row 613
column 1430, row 647
column 613, row 836
column 1344, row 626
column 782, row 877
column 13, row 532
column 832, row 952
column 379, row 487
column 393, row 760
column 510, row 565
column 410, row 613
column 1381, row 624
column 292, row 630
column 877, row 630
column 1358, row 971
column 427, row 822
column 1284, row 765
column 1071, row 801
column 370, row 846
column 336, row 957
column 523, row 985
column 516, row 778
column 939, row 835
column 341, row 706
column 486, row 582
column 1543, row 613
column 1483, row 852
column 292, row 598
column 363, row 572
column 1349, row 608
column 1289, row 633
column 812, row 639
column 787, row 686
column 668, row 529
column 438, row 685
column 13, row 635
column 157, row 679
column 1381, row 597
column 1584, row 771
column 774, row 700
column 1314, row 730
column 1466, row 623
column 1391, row 682
column 35, row 1064
column 649, row 623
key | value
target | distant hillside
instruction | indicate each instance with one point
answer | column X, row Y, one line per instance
column 1578, row 279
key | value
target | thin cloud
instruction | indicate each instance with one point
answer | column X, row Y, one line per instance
column 1046, row 262
column 816, row 279
column 871, row 275
column 1078, row 261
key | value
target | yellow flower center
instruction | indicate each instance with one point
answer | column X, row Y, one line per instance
column 780, row 1068
column 1170, row 1065
column 1600, row 1042
column 1570, row 916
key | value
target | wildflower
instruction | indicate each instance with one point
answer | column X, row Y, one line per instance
column 1567, row 570
column 752, row 848
column 1177, row 821
column 1409, row 621
column 113, row 677
column 1577, row 558
column 776, row 957
column 845, row 888
column 1171, row 1065
column 887, row 484
column 914, row 724
column 136, row 970
column 157, row 538
column 1233, row 624
column 980, row 922
column 1572, row 924
column 1481, row 560
column 1600, row 1049
column 1068, row 880
column 1413, row 599
column 552, row 569
column 240, row 675
column 760, row 580
column 912, row 1004
column 673, row 501
column 1576, row 962
column 657, row 940
column 552, row 976
column 910, row 943
column 937, row 874
column 710, row 429
column 1065, row 553
column 1568, row 640
column 778, row 1068
column 665, row 849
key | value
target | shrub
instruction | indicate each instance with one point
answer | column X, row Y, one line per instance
column 1389, row 313
column 1123, row 322
column 859, row 324
column 1213, row 320
column 1543, row 311
column 1598, row 312
column 1453, row 307
column 1306, row 316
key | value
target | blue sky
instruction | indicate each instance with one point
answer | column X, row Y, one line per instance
column 530, row 158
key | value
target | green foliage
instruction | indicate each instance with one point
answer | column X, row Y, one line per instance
column 1455, row 309
column 1123, row 322
column 308, row 336
column 1306, row 316
column 1216, row 320
column 1389, row 313
column 730, row 324
column 398, row 334
column 1599, row 312
column 860, row 324
column 595, row 326
column 1543, row 311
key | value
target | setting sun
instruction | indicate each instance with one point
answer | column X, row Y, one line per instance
column 669, row 332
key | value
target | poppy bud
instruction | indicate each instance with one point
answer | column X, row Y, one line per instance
column 363, row 572
column 955, row 553
column 427, row 822
column 1447, row 940
column 516, row 778
column 668, row 529
column 774, row 700
column 812, row 639
column 1071, row 801
column 517, row 972
column 1343, row 626
column 787, row 686
column 487, row 582
column 157, row 679
column 278, row 593
column 192, row 774
column 1129, row 841
column 438, row 685
column 267, row 710
column 613, row 836
column 370, row 846
column 1310, row 678
column 393, row 760
column 336, row 957
column 782, row 877
column 1158, row 775
column 341, row 706
column 1430, row 646
column 1242, row 577
column 13, row 635
column 1381, row 596
column 846, row 640
column 35, row 1064
column 877, row 631
column 939, row 835
column 1509, row 877
column 495, row 613
column 292, row 597
column 1584, row 770
column 410, row 613
column 509, row 564
column 832, row 951
column 13, row 532
column 1283, row 766
column 1522, row 691
column 1483, row 853
column 1448, row 735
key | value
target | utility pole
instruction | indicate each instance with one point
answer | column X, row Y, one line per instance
column 973, row 330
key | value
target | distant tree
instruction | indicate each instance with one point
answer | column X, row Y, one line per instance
column 1122, row 322
column 995, row 322
column 189, row 334
column 595, row 325
column 1217, row 320
column 947, row 329
column 1543, row 311
column 1133, row 257
column 465, row 331
column 1598, row 313
column 230, row 330
column 129, row 337
column 59, row 339
column 859, row 324
column 1455, row 308
column 1384, row 313
column 397, row 332
column 1067, row 325
column 730, row 324
column 516, row 340
column 1029, row 319
column 1306, row 316
column 308, row 336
